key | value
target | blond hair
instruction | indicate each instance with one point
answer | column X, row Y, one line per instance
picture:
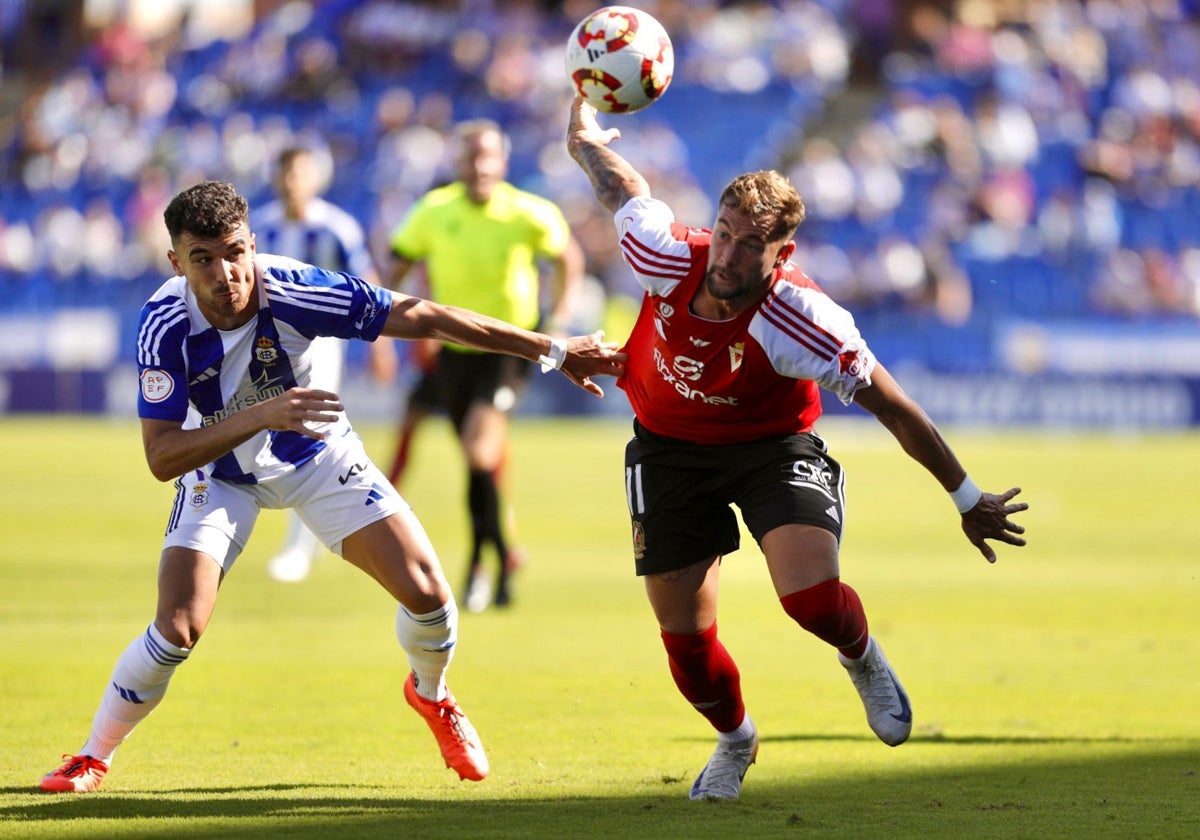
column 766, row 192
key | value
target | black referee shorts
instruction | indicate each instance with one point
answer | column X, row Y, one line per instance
column 680, row 493
column 491, row 378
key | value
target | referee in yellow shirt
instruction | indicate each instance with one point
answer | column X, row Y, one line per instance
column 481, row 240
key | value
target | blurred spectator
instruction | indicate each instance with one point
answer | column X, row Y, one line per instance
column 102, row 242
column 17, row 248
column 58, row 232
column 1067, row 133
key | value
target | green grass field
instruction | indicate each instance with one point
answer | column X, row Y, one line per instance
column 1056, row 694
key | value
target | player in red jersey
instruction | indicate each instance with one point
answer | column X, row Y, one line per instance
column 725, row 363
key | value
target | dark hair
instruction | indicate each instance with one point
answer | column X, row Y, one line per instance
column 767, row 192
column 288, row 156
column 209, row 209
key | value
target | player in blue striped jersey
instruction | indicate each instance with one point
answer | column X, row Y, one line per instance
column 302, row 225
column 228, row 412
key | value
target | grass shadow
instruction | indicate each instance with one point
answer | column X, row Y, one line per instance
column 939, row 738
column 1139, row 793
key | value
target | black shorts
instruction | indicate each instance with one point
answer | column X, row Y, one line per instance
column 490, row 378
column 680, row 493
column 426, row 394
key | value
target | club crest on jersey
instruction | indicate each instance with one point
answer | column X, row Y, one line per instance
column 265, row 351
column 639, row 540
column 736, row 351
column 666, row 310
column 199, row 495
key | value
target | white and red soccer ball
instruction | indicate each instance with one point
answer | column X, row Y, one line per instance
column 620, row 59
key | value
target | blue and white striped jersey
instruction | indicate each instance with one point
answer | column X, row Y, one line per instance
column 327, row 236
column 195, row 374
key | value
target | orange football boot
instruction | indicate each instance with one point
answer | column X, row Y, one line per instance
column 457, row 739
column 78, row 774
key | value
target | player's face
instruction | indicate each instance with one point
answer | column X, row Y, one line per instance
column 298, row 183
column 482, row 164
column 220, row 273
column 741, row 258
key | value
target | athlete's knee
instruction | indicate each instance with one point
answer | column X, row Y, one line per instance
column 180, row 629
column 831, row 611
column 417, row 582
column 683, row 647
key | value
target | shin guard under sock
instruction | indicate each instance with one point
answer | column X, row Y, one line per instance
column 429, row 640
column 707, row 677
column 138, row 684
column 833, row 613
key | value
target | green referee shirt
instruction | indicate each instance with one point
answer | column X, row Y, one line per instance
column 483, row 256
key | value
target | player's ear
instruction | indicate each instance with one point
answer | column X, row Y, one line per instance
column 175, row 263
column 785, row 252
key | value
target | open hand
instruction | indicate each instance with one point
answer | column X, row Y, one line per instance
column 989, row 520
column 591, row 355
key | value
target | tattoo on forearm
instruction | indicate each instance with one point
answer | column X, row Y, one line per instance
column 600, row 165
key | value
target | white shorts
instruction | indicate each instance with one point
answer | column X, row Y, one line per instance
column 337, row 493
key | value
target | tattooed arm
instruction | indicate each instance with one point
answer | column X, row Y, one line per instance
column 613, row 178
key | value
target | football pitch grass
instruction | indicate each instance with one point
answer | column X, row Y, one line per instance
column 1055, row 694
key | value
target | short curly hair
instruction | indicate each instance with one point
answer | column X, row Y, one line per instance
column 768, row 192
column 209, row 209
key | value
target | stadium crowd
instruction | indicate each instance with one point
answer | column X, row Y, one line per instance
column 1038, row 158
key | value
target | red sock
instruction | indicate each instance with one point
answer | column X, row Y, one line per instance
column 833, row 613
column 400, row 463
column 707, row 676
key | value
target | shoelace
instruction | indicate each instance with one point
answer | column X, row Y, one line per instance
column 878, row 681
column 452, row 716
column 76, row 765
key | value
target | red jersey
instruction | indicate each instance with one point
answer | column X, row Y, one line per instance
column 716, row 382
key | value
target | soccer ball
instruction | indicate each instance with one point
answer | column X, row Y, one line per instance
column 620, row 59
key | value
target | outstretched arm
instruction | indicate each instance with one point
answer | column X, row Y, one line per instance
column 613, row 178
column 988, row 517
column 578, row 358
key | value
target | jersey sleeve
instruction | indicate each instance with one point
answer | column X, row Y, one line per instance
column 326, row 303
column 162, row 366
column 808, row 336
column 653, row 244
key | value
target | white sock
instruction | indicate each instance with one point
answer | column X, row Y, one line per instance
column 744, row 732
column 138, row 684
column 429, row 641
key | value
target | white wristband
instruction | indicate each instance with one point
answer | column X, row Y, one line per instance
column 966, row 496
column 554, row 359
